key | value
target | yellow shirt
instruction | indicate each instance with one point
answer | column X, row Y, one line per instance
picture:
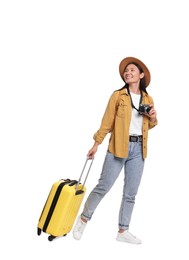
column 116, row 120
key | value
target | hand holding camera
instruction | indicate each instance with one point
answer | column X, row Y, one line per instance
column 148, row 110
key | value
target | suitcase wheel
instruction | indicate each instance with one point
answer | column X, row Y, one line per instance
column 50, row 238
column 38, row 231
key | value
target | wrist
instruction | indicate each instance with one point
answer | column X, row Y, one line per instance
column 153, row 119
column 95, row 144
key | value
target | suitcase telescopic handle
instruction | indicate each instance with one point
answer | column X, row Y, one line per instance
column 77, row 185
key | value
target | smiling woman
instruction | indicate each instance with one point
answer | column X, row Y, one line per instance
column 127, row 146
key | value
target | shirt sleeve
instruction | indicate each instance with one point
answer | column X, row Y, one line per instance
column 107, row 122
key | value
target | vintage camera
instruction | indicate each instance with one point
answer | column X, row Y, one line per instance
column 144, row 108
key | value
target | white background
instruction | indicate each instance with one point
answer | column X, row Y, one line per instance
column 58, row 67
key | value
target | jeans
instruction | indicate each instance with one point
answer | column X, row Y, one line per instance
column 133, row 169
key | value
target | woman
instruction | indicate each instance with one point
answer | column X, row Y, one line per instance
column 128, row 122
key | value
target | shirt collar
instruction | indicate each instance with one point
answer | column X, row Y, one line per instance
column 123, row 91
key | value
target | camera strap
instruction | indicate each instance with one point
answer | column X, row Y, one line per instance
column 140, row 102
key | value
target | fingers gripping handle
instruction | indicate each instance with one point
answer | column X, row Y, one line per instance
column 88, row 158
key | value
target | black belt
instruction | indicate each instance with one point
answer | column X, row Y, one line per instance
column 135, row 138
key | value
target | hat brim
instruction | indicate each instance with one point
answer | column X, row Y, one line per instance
column 129, row 60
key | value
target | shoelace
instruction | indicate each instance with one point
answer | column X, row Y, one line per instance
column 131, row 234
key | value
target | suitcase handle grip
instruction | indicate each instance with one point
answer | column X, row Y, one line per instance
column 76, row 188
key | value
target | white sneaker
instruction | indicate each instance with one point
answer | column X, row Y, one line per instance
column 126, row 236
column 79, row 228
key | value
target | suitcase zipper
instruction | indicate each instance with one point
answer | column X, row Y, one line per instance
column 53, row 205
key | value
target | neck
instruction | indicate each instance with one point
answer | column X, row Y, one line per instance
column 134, row 89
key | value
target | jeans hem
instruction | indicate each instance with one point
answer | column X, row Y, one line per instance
column 85, row 217
column 123, row 227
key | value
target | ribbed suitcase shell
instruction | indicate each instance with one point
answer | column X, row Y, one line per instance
column 60, row 210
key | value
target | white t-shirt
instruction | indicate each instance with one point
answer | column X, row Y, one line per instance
column 136, row 118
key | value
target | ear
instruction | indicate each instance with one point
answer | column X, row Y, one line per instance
column 141, row 75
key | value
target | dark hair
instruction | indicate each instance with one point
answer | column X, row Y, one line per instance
column 142, row 85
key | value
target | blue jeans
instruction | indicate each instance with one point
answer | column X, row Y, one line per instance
column 133, row 169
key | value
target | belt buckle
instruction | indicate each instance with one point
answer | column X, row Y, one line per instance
column 137, row 139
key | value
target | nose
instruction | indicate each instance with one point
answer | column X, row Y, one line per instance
column 127, row 73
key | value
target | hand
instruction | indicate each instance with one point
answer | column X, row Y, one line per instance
column 152, row 114
column 93, row 150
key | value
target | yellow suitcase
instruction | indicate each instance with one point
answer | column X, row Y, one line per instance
column 62, row 206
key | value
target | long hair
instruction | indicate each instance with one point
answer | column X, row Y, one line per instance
column 142, row 85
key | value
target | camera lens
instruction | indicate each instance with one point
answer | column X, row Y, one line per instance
column 148, row 109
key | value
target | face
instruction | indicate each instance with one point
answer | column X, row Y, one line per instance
column 132, row 74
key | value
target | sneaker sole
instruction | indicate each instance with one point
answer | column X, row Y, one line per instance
column 120, row 239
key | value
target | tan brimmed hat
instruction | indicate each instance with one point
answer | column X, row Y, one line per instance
column 129, row 60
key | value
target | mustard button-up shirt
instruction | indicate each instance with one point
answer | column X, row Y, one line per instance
column 116, row 121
